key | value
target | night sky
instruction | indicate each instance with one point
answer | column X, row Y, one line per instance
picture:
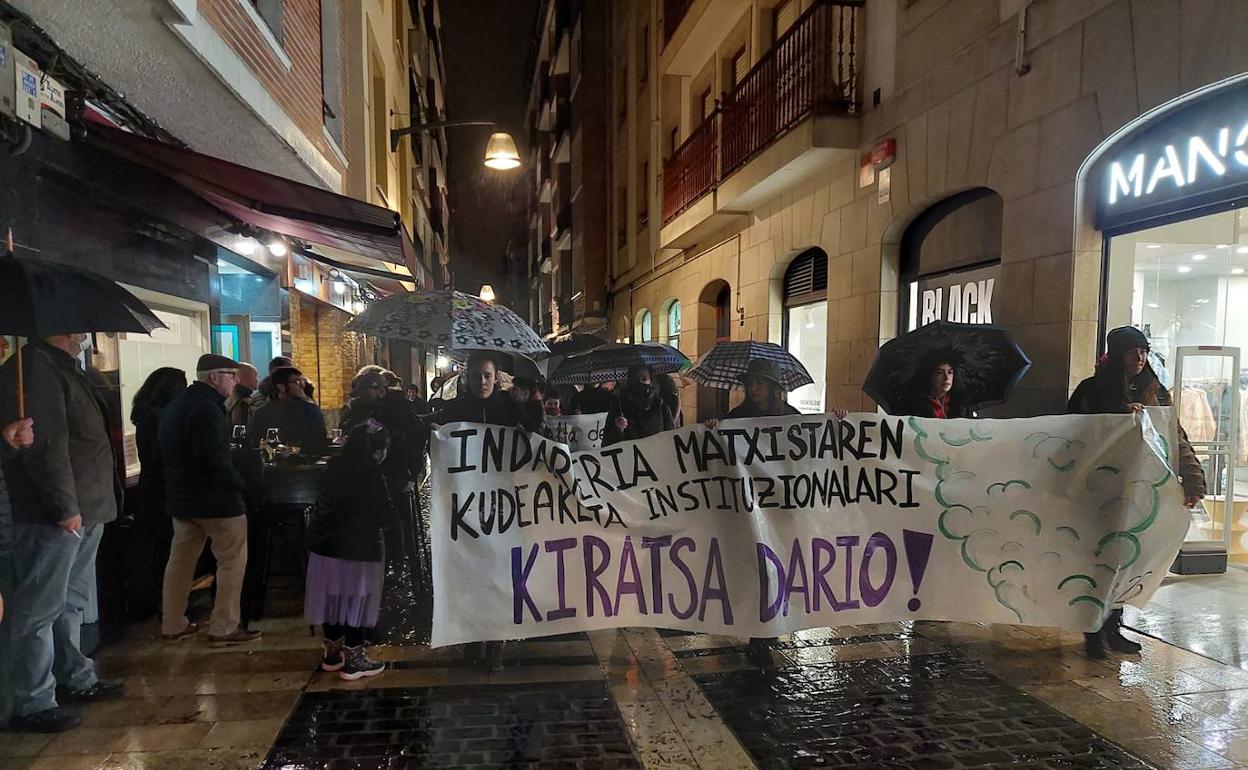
column 487, row 45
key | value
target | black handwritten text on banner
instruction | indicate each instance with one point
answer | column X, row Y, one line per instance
column 764, row 527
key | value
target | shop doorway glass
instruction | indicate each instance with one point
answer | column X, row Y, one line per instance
column 806, row 325
column 1185, row 285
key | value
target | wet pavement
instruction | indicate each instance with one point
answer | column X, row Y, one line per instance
column 916, row 695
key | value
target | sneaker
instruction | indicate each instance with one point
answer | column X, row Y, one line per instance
column 1114, row 639
column 57, row 719
column 103, row 689
column 332, row 660
column 357, row 664
column 240, row 636
column 190, row 630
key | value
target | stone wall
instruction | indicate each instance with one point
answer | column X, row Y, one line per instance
column 963, row 117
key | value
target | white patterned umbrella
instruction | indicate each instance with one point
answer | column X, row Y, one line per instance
column 449, row 319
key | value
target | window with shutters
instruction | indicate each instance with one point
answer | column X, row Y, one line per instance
column 783, row 18
column 740, row 66
column 806, row 324
column 708, row 104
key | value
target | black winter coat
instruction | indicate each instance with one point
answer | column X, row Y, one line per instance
column 151, row 488
column 352, row 509
column 405, row 458
column 749, row 409
column 593, row 401
column 646, row 417
column 1096, row 395
column 200, row 479
column 498, row 409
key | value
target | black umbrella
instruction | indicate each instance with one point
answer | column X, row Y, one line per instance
column 611, row 362
column 44, row 299
column 725, row 364
column 989, row 364
column 573, row 343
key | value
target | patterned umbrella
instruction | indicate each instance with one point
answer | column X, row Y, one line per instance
column 448, row 319
column 572, row 343
column 611, row 362
column 988, row 361
column 724, row 365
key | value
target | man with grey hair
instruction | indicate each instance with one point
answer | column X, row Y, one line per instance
column 204, row 495
column 63, row 490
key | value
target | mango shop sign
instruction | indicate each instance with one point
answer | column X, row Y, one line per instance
column 1192, row 156
column 965, row 296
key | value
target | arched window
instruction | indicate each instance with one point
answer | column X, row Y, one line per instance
column 645, row 326
column 671, row 331
column 806, row 324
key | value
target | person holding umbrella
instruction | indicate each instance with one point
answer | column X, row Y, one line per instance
column 641, row 412
column 1125, row 383
column 935, row 390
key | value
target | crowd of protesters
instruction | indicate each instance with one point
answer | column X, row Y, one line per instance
column 59, row 477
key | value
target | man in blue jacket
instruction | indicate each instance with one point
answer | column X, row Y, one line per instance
column 204, row 495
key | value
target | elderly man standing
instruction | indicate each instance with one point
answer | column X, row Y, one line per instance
column 204, row 495
column 63, row 491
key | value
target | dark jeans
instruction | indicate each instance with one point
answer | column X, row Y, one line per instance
column 351, row 636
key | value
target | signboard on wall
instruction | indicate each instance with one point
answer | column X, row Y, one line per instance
column 964, row 296
column 1193, row 155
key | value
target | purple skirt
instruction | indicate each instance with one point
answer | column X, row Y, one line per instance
column 342, row 592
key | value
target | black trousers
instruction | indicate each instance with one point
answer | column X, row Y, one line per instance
column 351, row 636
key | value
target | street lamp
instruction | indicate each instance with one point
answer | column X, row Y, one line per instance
column 500, row 152
column 487, row 293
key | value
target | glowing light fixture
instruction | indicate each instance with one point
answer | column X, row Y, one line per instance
column 277, row 247
column 1185, row 269
column 245, row 246
column 487, row 293
column 1242, row 250
column 358, row 306
column 1153, row 305
column 1199, row 257
column 1237, row 271
column 1152, row 245
column 500, row 152
column 441, row 362
column 339, row 287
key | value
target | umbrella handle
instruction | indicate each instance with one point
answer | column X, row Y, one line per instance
column 21, row 384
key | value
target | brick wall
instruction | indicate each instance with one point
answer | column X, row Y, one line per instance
column 297, row 90
column 327, row 356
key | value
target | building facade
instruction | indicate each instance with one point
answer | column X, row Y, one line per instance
column 833, row 172
column 568, row 120
column 306, row 90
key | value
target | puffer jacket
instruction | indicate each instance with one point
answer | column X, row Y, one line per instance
column 70, row 470
column 200, row 479
column 1096, row 396
column 498, row 409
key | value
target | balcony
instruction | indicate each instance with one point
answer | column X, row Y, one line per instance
column 693, row 30
column 793, row 113
column 673, row 13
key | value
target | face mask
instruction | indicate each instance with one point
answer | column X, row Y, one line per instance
column 641, row 389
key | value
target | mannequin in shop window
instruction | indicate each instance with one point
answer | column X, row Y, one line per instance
column 1125, row 383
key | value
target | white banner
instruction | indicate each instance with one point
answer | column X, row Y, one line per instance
column 764, row 527
column 579, row 431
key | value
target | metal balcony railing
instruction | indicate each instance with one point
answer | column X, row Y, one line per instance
column 690, row 173
column 811, row 70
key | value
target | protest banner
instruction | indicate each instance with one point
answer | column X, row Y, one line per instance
column 764, row 527
column 579, row 431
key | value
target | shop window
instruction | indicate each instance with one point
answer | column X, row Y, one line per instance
column 645, row 326
column 806, row 324
column 671, row 314
column 951, row 261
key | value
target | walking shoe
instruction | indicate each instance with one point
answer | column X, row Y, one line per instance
column 190, row 630
column 494, row 656
column 357, row 664
column 103, row 689
column 332, row 660
column 57, row 719
column 1112, row 632
column 240, row 636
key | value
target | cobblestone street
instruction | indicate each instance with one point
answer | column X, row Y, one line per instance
column 928, row 695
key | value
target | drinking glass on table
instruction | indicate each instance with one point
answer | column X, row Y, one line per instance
column 335, row 435
column 240, row 435
column 273, row 436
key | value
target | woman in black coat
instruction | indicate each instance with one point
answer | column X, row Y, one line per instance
column 1125, row 383
column 346, row 545
column 640, row 413
column 153, row 529
column 935, row 391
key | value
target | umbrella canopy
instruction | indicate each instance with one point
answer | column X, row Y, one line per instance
column 449, row 319
column 611, row 362
column 43, row 299
column 574, row 343
column 725, row 364
column 989, row 364
column 516, row 365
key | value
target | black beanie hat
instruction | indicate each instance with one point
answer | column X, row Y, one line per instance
column 1125, row 338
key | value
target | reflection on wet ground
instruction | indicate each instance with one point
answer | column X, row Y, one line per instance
column 1202, row 613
